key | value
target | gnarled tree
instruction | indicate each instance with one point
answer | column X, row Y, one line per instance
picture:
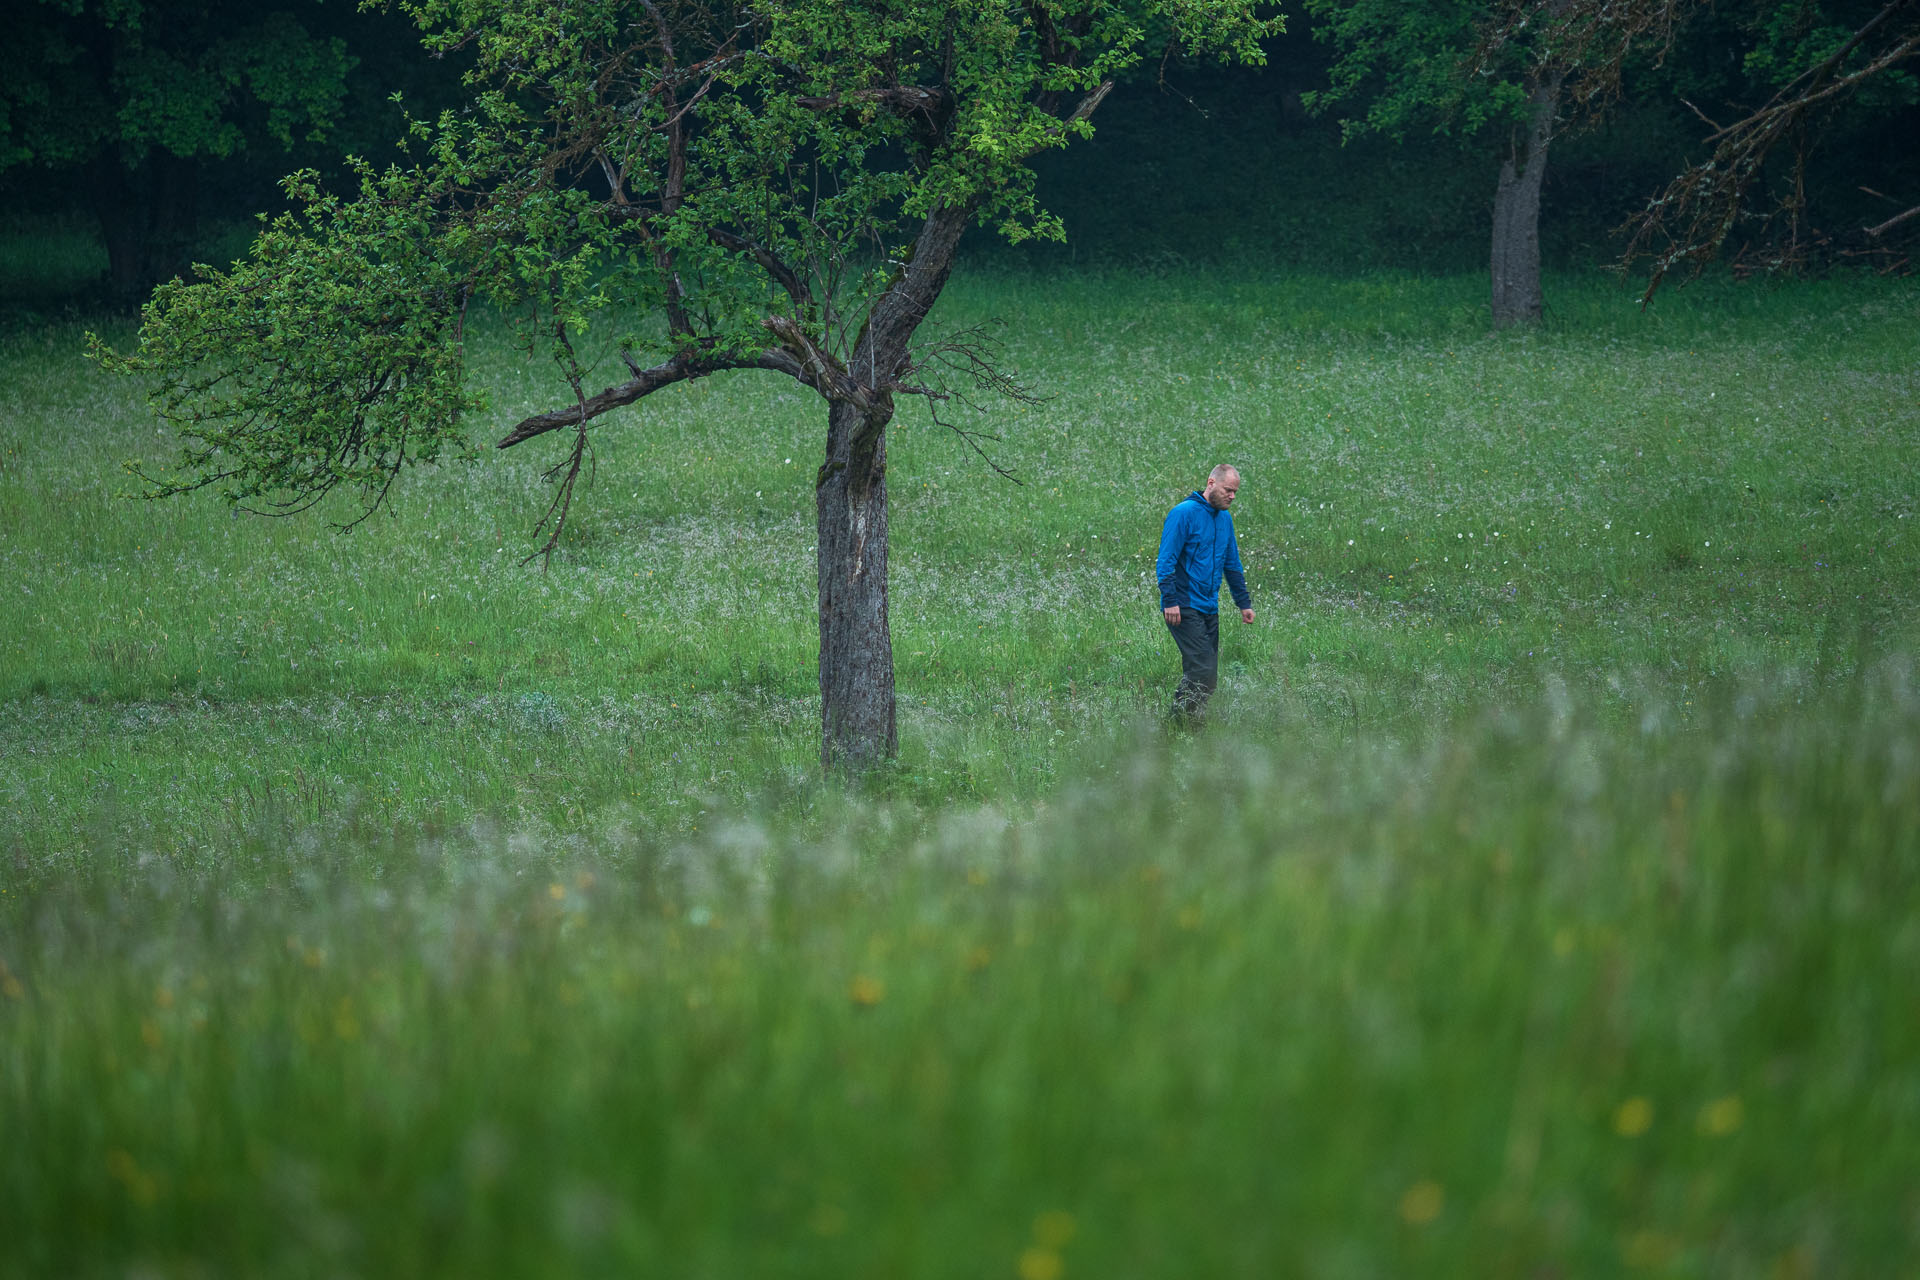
column 711, row 186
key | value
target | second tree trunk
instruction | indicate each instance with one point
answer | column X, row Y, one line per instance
column 1516, row 213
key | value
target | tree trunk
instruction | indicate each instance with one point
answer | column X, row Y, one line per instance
column 1516, row 212
column 148, row 217
column 856, row 647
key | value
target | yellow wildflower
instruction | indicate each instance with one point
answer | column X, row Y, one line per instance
column 124, row 1169
column 1649, row 1249
column 346, row 1024
column 1422, row 1202
column 1633, row 1117
column 1040, row 1264
column 1722, row 1116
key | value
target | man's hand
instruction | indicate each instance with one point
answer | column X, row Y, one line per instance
column 1172, row 615
column 1246, row 616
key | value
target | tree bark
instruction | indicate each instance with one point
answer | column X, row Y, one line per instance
column 1516, row 212
column 856, row 646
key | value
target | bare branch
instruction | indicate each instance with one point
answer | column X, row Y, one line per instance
column 563, row 497
column 1697, row 212
column 1790, row 109
column 1814, row 75
column 681, row 368
column 1894, row 221
column 970, row 355
column 1705, row 119
column 907, row 99
column 973, row 439
column 1090, row 103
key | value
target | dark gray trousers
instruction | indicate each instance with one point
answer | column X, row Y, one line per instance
column 1198, row 637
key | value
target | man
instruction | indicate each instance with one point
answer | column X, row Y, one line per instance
column 1197, row 547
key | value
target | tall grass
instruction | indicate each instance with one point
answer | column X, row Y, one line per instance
column 1538, row 996
column 1540, row 902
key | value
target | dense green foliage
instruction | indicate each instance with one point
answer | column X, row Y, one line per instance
column 117, row 79
column 332, row 357
column 372, row 904
column 1402, row 67
column 122, row 102
column 1215, row 164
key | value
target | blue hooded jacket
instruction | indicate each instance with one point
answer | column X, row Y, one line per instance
column 1197, row 547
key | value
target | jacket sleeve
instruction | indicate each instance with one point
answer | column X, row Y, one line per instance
column 1167, row 567
column 1237, row 576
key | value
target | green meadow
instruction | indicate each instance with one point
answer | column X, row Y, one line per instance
column 1542, row 899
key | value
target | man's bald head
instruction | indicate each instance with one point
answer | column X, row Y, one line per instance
column 1223, row 485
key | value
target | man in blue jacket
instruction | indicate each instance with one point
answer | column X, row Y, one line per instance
column 1197, row 548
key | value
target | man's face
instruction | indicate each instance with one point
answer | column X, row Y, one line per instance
column 1221, row 491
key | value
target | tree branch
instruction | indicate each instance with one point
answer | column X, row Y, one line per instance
column 970, row 355
column 1894, row 221
column 783, row 275
column 681, row 368
column 816, row 368
column 673, row 188
column 1090, row 103
column 1791, row 109
column 1789, row 99
column 906, row 99
column 1696, row 213
column 899, row 311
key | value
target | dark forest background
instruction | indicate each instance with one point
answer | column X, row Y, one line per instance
column 1191, row 164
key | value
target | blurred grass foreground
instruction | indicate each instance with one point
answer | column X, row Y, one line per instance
column 1547, row 994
